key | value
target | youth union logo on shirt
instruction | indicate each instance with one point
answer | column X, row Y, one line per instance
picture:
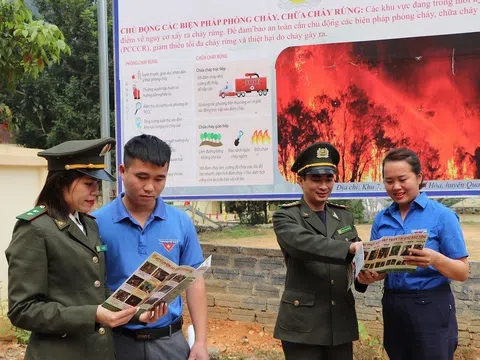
column 168, row 244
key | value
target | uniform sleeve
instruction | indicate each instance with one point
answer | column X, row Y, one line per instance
column 351, row 222
column 302, row 243
column 28, row 303
column 452, row 243
column 191, row 251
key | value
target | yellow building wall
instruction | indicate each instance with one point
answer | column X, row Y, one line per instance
column 22, row 174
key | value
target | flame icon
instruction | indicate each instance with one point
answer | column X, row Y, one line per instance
column 260, row 137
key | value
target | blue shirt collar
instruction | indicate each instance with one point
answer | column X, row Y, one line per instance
column 120, row 212
column 421, row 200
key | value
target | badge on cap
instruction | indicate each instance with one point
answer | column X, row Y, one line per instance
column 105, row 150
column 322, row 153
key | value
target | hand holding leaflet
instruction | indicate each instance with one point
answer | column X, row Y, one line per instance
column 157, row 280
column 387, row 254
column 355, row 267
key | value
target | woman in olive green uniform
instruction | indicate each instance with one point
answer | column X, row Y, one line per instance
column 56, row 262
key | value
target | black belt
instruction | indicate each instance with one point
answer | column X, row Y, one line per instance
column 445, row 288
column 151, row 333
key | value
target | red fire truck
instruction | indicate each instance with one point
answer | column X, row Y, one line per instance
column 252, row 82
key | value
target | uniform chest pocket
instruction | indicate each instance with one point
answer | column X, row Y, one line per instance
column 296, row 311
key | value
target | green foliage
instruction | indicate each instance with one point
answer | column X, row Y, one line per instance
column 249, row 212
column 356, row 207
column 236, row 232
column 368, row 347
column 6, row 327
column 6, row 126
column 449, row 201
column 364, row 336
column 26, row 46
column 21, row 335
column 63, row 102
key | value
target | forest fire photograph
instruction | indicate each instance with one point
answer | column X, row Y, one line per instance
column 368, row 97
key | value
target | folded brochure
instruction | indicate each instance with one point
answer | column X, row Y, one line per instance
column 156, row 280
column 354, row 268
column 386, row 254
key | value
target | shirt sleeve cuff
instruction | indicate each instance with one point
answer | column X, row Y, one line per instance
column 349, row 258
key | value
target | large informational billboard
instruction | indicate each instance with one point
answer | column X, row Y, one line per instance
column 239, row 88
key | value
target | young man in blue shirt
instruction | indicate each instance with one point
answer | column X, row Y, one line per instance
column 133, row 226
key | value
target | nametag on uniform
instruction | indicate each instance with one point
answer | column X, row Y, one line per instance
column 101, row 248
column 344, row 229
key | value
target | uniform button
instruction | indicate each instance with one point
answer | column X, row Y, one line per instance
column 97, row 283
column 296, row 303
column 332, row 282
column 333, row 302
column 101, row 331
column 95, row 260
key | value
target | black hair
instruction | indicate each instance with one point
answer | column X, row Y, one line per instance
column 147, row 148
column 51, row 195
column 404, row 154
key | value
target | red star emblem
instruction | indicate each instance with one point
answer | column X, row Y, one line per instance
column 168, row 245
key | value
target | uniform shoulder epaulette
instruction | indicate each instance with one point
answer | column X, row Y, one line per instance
column 295, row 203
column 32, row 214
column 337, row 205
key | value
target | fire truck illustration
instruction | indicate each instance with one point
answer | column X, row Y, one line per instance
column 252, row 82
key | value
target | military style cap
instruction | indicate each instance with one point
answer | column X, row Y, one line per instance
column 319, row 158
column 85, row 156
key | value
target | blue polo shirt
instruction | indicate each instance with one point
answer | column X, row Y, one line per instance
column 444, row 236
column 129, row 245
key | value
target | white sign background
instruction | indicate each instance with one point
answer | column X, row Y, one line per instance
column 174, row 60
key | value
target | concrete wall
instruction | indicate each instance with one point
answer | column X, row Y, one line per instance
column 474, row 218
column 246, row 284
column 22, row 174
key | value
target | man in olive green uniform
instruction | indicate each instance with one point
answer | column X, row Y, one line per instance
column 317, row 318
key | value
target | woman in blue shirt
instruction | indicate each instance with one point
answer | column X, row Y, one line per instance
column 418, row 307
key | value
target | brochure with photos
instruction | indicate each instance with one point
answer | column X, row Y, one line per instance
column 155, row 281
column 386, row 254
